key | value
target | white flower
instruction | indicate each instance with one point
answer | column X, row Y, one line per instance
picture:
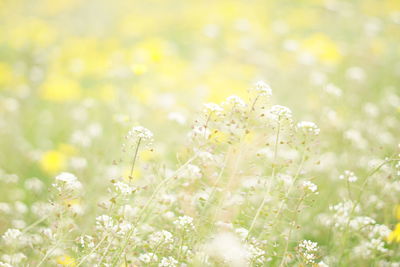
column 140, row 132
column 86, row 241
column 228, row 248
column 168, row 262
column 308, row 127
column 191, row 172
column 105, row 222
column 184, row 222
column 349, row 176
column 281, row 112
column 67, row 181
column 11, row 236
column 124, row 227
column 307, row 250
column 212, row 107
column 262, row 88
column 124, row 188
column 148, row 257
column 162, row 236
column 310, row 186
column 236, row 101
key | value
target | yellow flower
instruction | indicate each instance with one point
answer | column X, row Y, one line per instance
column 394, row 236
column 59, row 88
column 66, row 260
column 53, row 161
column 323, row 48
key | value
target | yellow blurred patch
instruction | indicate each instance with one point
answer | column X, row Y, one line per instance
column 135, row 175
column 146, row 155
column 53, row 161
column 66, row 260
column 398, row 212
column 323, row 48
column 67, row 149
column 139, row 69
column 394, row 236
column 59, row 88
column 219, row 137
column 6, row 75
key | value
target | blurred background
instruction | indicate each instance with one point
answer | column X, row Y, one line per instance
column 76, row 75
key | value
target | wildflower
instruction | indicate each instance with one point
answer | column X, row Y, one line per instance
column 105, row 222
column 140, row 132
column 34, row 184
column 367, row 249
column 227, row 247
column 308, row 127
column 13, row 259
column 148, row 257
column 310, row 186
column 124, row 188
column 65, row 260
column 184, row 222
column 281, row 113
column 162, row 236
column 11, row 236
column 67, row 181
column 307, row 250
column 349, row 176
column 168, row 262
column 262, row 89
column 86, row 241
column 191, row 172
column 235, row 101
column 53, row 161
column 394, row 236
column 212, row 108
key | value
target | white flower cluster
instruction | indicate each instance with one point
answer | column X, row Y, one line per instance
column 105, row 223
column 191, row 172
column 11, row 236
column 124, row 188
column 86, row 241
column 148, row 257
column 10, row 260
column 307, row 185
column 235, row 101
column 349, row 176
column 160, row 237
column 67, row 181
column 308, row 127
column 368, row 249
column 279, row 113
column 342, row 213
column 308, row 250
column 212, row 108
column 168, row 262
column 140, row 132
column 184, row 222
column 262, row 88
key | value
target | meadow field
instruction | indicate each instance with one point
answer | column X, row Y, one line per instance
column 200, row 133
